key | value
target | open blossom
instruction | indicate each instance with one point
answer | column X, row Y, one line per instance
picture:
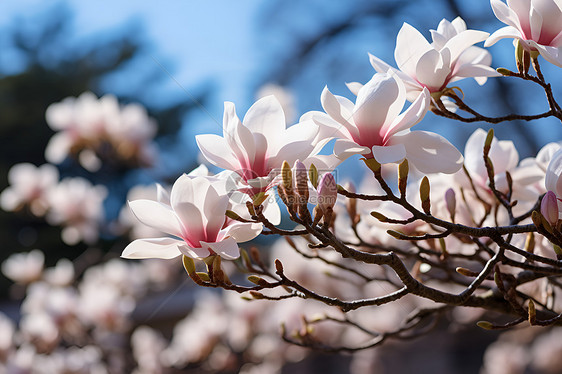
column 536, row 23
column 256, row 147
column 86, row 125
column 374, row 127
column 451, row 57
column 28, row 186
column 196, row 219
column 77, row 205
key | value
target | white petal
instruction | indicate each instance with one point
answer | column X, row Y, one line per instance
column 432, row 69
column 553, row 182
column 505, row 13
column 459, row 43
column 165, row 248
column 389, row 154
column 227, row 248
column 504, row 32
column 550, row 54
column 194, row 252
column 374, row 100
column 344, row 148
column 156, row 215
column 332, row 107
column 217, row 151
column 243, row 232
column 266, row 117
column 354, row 87
column 162, row 196
column 410, row 45
column 430, row 152
column 410, row 116
column 472, row 71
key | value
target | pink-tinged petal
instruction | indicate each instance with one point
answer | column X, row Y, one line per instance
column 410, row 116
column 389, row 154
column 290, row 152
column 535, row 20
column 164, row 248
column 344, row 148
column 354, row 87
column 266, row 117
column 243, row 232
column 187, row 198
column 504, row 32
column 430, row 152
column 227, row 248
column 410, row 45
column 557, row 41
column 156, row 215
column 550, row 54
column 461, row 42
column 332, row 107
column 58, row 147
column 214, row 212
column 217, row 151
column 373, row 103
column 505, row 13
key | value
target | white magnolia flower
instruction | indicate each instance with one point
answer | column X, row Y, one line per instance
column 76, row 205
column 24, row 267
column 536, row 23
column 195, row 217
column 86, row 125
column 450, row 58
column 28, row 186
column 505, row 158
column 374, row 127
column 256, row 147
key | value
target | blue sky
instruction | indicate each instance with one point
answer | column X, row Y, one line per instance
column 194, row 40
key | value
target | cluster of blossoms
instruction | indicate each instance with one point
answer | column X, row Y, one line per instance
column 451, row 230
column 95, row 130
column 73, row 202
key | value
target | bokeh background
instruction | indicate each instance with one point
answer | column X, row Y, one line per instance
column 183, row 59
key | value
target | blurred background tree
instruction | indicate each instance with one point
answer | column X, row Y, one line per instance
column 49, row 69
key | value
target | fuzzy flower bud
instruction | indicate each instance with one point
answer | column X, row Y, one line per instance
column 451, row 201
column 301, row 178
column 327, row 193
column 549, row 208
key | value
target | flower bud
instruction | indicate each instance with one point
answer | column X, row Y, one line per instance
column 424, row 195
column 327, row 193
column 549, row 208
column 286, row 175
column 451, row 202
column 301, row 178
